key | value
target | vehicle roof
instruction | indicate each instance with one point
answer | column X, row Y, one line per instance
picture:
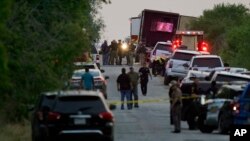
column 233, row 74
column 84, row 63
column 207, row 56
column 165, row 43
column 187, row 51
column 83, row 70
column 73, row 93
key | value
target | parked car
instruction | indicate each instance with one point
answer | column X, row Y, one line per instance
column 72, row 115
column 175, row 68
column 99, row 80
column 217, row 112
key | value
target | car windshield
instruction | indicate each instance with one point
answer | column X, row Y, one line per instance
column 227, row 93
column 74, row 104
column 85, row 66
column 164, row 47
column 207, row 62
column 79, row 74
column 183, row 56
column 229, row 78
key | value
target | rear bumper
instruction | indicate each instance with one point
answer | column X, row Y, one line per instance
column 56, row 133
column 174, row 74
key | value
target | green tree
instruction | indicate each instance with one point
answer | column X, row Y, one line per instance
column 237, row 52
column 217, row 21
column 44, row 38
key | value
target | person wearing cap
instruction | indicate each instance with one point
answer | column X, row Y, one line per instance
column 134, row 77
column 176, row 107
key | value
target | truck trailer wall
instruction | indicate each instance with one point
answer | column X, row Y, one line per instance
column 157, row 26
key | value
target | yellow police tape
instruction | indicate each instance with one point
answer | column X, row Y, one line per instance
column 116, row 102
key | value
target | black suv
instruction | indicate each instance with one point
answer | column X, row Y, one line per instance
column 72, row 115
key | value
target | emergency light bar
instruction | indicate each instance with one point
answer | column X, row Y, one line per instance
column 190, row 32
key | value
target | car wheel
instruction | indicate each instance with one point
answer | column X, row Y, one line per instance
column 204, row 128
column 223, row 124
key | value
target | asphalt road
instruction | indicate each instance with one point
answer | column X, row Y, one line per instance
column 150, row 122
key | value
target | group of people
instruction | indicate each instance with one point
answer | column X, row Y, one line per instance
column 175, row 95
column 127, row 84
column 113, row 53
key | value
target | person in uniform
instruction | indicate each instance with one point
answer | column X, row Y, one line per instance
column 176, row 107
column 119, row 52
column 113, row 52
column 144, row 73
column 134, row 77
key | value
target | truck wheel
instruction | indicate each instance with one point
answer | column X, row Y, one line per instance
column 167, row 80
column 223, row 124
column 191, row 122
column 204, row 128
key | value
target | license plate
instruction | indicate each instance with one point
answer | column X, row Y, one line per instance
column 79, row 121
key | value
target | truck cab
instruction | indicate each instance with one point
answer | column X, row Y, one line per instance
column 193, row 40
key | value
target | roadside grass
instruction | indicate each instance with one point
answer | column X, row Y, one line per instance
column 15, row 131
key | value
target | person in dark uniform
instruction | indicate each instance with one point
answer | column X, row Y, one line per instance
column 176, row 107
column 144, row 72
column 193, row 109
column 113, row 52
column 124, row 85
column 170, row 92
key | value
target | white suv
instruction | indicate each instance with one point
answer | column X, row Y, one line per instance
column 175, row 66
column 161, row 49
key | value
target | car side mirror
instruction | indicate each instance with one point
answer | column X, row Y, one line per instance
column 106, row 77
column 112, row 106
column 102, row 70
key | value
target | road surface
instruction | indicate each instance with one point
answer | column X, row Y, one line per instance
column 150, row 122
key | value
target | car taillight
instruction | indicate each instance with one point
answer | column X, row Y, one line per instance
column 235, row 108
column 52, row 116
column 106, row 116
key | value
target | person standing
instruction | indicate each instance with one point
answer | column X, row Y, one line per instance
column 105, row 52
column 192, row 108
column 87, row 80
column 124, row 86
column 113, row 52
column 176, row 107
column 142, row 53
column 134, row 77
column 131, row 50
column 144, row 73
column 119, row 52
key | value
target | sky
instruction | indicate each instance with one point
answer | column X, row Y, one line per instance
column 116, row 15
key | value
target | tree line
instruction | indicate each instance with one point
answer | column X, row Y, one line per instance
column 39, row 40
column 227, row 30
